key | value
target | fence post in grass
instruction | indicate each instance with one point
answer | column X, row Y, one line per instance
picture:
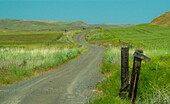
column 65, row 30
column 138, row 57
column 124, row 71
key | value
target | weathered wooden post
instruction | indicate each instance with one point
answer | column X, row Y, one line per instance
column 138, row 56
column 65, row 30
column 83, row 28
column 124, row 71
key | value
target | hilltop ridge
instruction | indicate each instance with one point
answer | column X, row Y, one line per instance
column 51, row 25
column 162, row 20
column 77, row 23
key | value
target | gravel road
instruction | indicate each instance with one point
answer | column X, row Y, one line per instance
column 69, row 84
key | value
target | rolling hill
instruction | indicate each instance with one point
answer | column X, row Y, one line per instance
column 45, row 25
column 162, row 20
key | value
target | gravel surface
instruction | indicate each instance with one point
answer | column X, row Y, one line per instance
column 69, row 84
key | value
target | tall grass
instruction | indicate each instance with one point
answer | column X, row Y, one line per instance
column 24, row 62
column 30, row 59
column 158, row 96
column 154, row 83
column 113, row 54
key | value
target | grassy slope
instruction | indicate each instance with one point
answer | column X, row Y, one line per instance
column 149, row 36
column 162, row 20
column 43, row 25
column 153, row 84
column 21, row 25
column 27, row 54
column 111, row 25
column 144, row 36
column 26, row 39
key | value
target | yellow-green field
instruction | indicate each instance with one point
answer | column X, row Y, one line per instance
column 26, row 39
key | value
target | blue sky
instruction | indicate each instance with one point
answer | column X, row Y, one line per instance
column 89, row 11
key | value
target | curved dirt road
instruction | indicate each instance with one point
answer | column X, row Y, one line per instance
column 69, row 84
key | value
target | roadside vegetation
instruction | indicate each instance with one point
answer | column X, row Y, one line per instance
column 24, row 55
column 154, row 81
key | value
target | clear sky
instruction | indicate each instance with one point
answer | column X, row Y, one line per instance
column 89, row 11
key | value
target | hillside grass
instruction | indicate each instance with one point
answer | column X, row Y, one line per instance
column 24, row 55
column 28, row 39
column 28, row 25
column 45, row 25
column 154, row 83
column 142, row 36
column 162, row 20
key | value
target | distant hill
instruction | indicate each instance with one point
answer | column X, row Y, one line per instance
column 107, row 26
column 78, row 23
column 162, row 20
column 36, row 25
column 45, row 25
column 50, row 21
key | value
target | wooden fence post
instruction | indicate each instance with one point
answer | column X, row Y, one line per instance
column 124, row 71
column 138, row 56
column 65, row 30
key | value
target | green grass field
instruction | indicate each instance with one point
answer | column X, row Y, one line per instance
column 26, row 39
column 151, row 37
column 154, row 81
column 24, row 55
